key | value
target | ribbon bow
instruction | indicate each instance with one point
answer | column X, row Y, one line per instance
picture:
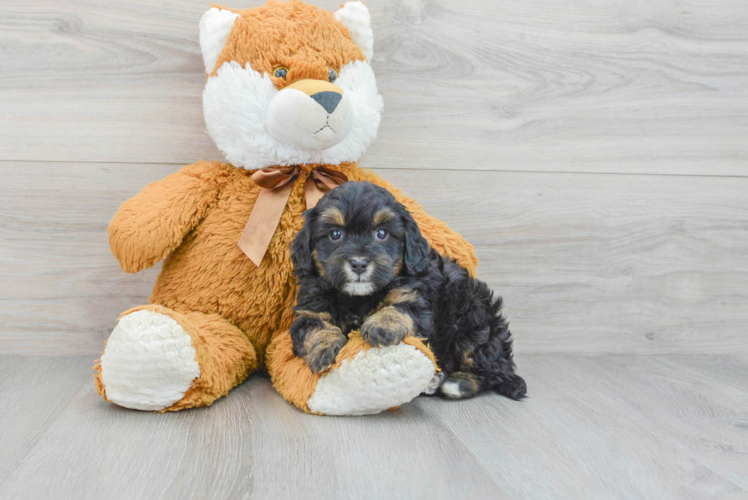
column 275, row 188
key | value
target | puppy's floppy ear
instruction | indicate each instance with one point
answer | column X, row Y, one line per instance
column 303, row 245
column 416, row 253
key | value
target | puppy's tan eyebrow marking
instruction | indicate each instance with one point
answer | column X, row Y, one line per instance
column 383, row 215
column 333, row 215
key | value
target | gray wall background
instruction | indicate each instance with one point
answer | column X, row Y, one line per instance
column 594, row 153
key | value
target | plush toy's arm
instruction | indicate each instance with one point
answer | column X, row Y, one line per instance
column 437, row 233
column 150, row 225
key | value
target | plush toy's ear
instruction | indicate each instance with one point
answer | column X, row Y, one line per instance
column 355, row 16
column 215, row 27
column 303, row 245
column 416, row 253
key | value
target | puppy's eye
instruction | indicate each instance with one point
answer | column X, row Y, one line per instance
column 382, row 234
column 332, row 75
column 335, row 234
column 280, row 72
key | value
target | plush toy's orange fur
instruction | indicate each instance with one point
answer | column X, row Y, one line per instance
column 193, row 219
column 230, row 307
column 301, row 37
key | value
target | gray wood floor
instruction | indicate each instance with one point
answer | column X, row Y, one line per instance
column 596, row 154
column 594, row 427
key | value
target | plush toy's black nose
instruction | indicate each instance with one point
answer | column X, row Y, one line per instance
column 359, row 265
column 328, row 100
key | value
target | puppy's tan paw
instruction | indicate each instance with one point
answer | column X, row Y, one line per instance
column 388, row 326
column 322, row 347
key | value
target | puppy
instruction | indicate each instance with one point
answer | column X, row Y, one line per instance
column 361, row 263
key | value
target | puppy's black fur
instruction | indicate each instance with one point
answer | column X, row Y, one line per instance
column 361, row 263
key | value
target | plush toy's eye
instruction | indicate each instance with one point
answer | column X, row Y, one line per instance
column 280, row 72
column 335, row 234
column 332, row 75
column 382, row 234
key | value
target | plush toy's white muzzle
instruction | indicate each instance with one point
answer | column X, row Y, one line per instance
column 310, row 114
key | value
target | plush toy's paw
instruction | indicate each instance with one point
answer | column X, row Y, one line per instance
column 149, row 362
column 372, row 381
column 363, row 380
column 388, row 326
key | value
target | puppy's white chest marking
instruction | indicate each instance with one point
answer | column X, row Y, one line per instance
column 358, row 288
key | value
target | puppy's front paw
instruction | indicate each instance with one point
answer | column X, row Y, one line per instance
column 322, row 347
column 388, row 326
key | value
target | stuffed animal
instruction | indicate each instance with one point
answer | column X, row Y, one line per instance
column 292, row 102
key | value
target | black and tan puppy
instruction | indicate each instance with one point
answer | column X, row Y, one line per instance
column 361, row 263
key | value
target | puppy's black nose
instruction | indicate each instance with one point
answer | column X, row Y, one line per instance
column 359, row 265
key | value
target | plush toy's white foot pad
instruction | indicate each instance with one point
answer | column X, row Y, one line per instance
column 373, row 381
column 149, row 362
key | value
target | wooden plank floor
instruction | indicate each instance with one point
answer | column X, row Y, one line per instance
column 594, row 427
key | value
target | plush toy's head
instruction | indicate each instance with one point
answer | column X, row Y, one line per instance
column 289, row 83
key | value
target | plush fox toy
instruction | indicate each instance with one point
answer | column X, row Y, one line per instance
column 292, row 102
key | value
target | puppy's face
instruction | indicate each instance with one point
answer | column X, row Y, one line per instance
column 358, row 238
column 358, row 244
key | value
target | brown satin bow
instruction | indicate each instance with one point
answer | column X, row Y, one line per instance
column 275, row 188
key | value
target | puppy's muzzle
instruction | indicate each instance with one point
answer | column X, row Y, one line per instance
column 310, row 114
column 359, row 266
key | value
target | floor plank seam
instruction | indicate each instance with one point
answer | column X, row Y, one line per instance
column 407, row 169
